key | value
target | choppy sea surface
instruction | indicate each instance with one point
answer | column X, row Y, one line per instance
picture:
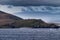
column 30, row 34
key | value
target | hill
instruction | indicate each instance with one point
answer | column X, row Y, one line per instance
column 34, row 23
column 11, row 21
column 6, row 18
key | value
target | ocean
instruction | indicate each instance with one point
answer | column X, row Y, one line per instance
column 30, row 34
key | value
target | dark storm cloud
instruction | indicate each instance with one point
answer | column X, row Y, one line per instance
column 30, row 2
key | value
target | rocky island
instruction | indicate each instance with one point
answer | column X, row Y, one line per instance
column 12, row 21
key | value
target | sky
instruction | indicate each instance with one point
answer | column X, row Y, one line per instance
column 47, row 10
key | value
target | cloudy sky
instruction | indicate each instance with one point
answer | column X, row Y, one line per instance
column 47, row 10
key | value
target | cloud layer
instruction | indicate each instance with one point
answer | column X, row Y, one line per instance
column 30, row 2
column 47, row 13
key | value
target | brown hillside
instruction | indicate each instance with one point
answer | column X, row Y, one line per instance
column 6, row 18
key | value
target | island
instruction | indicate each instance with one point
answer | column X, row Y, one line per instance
column 11, row 21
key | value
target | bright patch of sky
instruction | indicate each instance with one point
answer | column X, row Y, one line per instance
column 10, row 9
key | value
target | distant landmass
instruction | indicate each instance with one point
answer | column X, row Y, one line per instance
column 11, row 21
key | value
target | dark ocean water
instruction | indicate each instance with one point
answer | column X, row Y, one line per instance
column 30, row 34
